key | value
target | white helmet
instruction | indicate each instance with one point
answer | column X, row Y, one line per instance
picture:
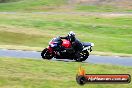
column 71, row 33
column 71, row 36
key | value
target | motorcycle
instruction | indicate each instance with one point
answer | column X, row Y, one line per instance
column 62, row 49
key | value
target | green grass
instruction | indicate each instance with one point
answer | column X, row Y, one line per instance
column 27, row 73
column 59, row 5
column 31, row 5
column 110, row 34
column 22, row 39
column 101, row 8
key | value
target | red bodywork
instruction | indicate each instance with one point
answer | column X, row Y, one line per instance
column 66, row 43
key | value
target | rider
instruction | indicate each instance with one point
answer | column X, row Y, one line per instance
column 76, row 44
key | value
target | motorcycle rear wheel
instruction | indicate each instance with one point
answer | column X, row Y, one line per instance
column 46, row 55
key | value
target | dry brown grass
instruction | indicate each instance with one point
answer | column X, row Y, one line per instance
column 29, row 31
column 118, row 3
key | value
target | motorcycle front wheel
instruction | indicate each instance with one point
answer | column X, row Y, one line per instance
column 46, row 54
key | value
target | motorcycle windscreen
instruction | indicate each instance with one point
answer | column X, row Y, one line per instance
column 86, row 44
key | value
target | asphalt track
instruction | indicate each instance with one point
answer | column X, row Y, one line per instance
column 77, row 13
column 114, row 60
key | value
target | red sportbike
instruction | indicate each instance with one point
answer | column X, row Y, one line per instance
column 62, row 49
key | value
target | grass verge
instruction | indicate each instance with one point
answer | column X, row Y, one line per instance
column 101, row 8
column 31, row 5
column 63, row 6
column 27, row 73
